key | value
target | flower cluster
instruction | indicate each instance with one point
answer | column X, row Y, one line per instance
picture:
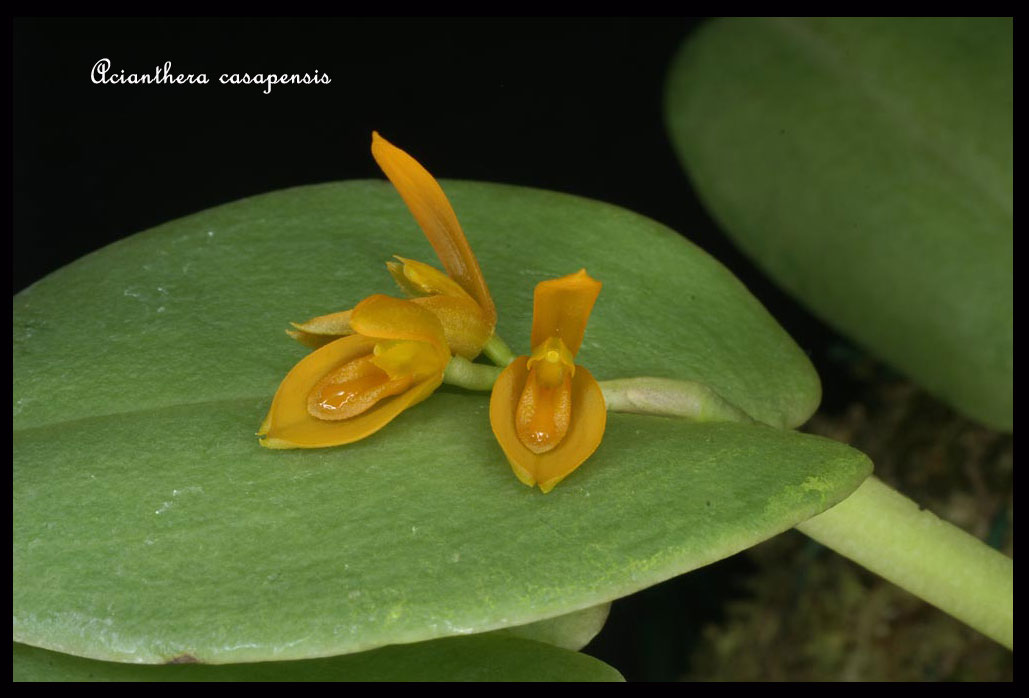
column 372, row 362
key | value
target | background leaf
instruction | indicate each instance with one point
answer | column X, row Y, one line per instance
column 477, row 658
column 572, row 631
column 149, row 524
column 866, row 164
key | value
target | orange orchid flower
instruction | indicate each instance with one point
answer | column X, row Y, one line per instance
column 548, row 413
column 461, row 301
column 353, row 386
column 386, row 354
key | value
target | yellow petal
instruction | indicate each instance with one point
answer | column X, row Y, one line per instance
column 428, row 280
column 585, row 430
column 383, row 317
column 313, row 341
column 400, row 358
column 464, row 325
column 465, row 328
column 319, row 331
column 331, row 324
column 561, row 307
column 552, row 360
column 429, row 205
column 396, row 270
column 266, row 424
column 290, row 425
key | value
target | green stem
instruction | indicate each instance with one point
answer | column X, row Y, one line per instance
column 884, row 531
column 498, row 352
column 465, row 374
column 670, row 398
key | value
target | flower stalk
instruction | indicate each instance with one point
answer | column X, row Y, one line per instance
column 470, row 376
column 497, row 351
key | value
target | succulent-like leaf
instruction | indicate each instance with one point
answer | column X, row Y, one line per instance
column 149, row 524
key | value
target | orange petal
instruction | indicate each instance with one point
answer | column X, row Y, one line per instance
column 503, row 405
column 589, row 419
column 289, row 425
column 544, row 411
column 290, row 402
column 561, row 307
column 353, row 389
column 383, row 317
column 464, row 325
column 585, row 430
column 429, row 205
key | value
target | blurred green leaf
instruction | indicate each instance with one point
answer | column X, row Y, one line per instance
column 476, row 658
column 148, row 523
column 866, row 165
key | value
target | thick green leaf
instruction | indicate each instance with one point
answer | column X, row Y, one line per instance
column 476, row 658
column 866, row 164
column 149, row 524
column 194, row 310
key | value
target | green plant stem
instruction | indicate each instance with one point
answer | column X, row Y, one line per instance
column 471, row 376
column 670, row 398
column 889, row 534
column 498, row 352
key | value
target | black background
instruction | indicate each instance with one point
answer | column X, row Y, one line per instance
column 569, row 105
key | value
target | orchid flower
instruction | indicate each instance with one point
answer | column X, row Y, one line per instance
column 548, row 413
column 386, row 354
column 460, row 299
column 352, row 387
